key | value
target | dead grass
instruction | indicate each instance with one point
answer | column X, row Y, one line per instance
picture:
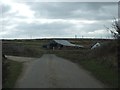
column 102, row 62
column 13, row 72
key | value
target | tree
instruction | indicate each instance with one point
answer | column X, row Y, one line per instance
column 115, row 30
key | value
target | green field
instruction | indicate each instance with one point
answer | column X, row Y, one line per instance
column 13, row 72
column 101, row 62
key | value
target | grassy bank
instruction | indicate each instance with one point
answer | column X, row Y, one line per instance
column 20, row 48
column 13, row 72
column 101, row 70
column 101, row 62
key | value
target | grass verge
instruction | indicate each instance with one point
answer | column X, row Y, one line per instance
column 14, row 70
column 99, row 67
column 107, row 75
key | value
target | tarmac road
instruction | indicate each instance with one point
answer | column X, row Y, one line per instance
column 51, row 71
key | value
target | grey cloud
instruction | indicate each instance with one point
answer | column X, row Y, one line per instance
column 6, row 12
column 100, row 12
column 5, row 8
column 96, row 26
column 51, row 29
column 66, row 10
column 43, row 26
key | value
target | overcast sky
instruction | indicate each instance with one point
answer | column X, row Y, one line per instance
column 56, row 19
